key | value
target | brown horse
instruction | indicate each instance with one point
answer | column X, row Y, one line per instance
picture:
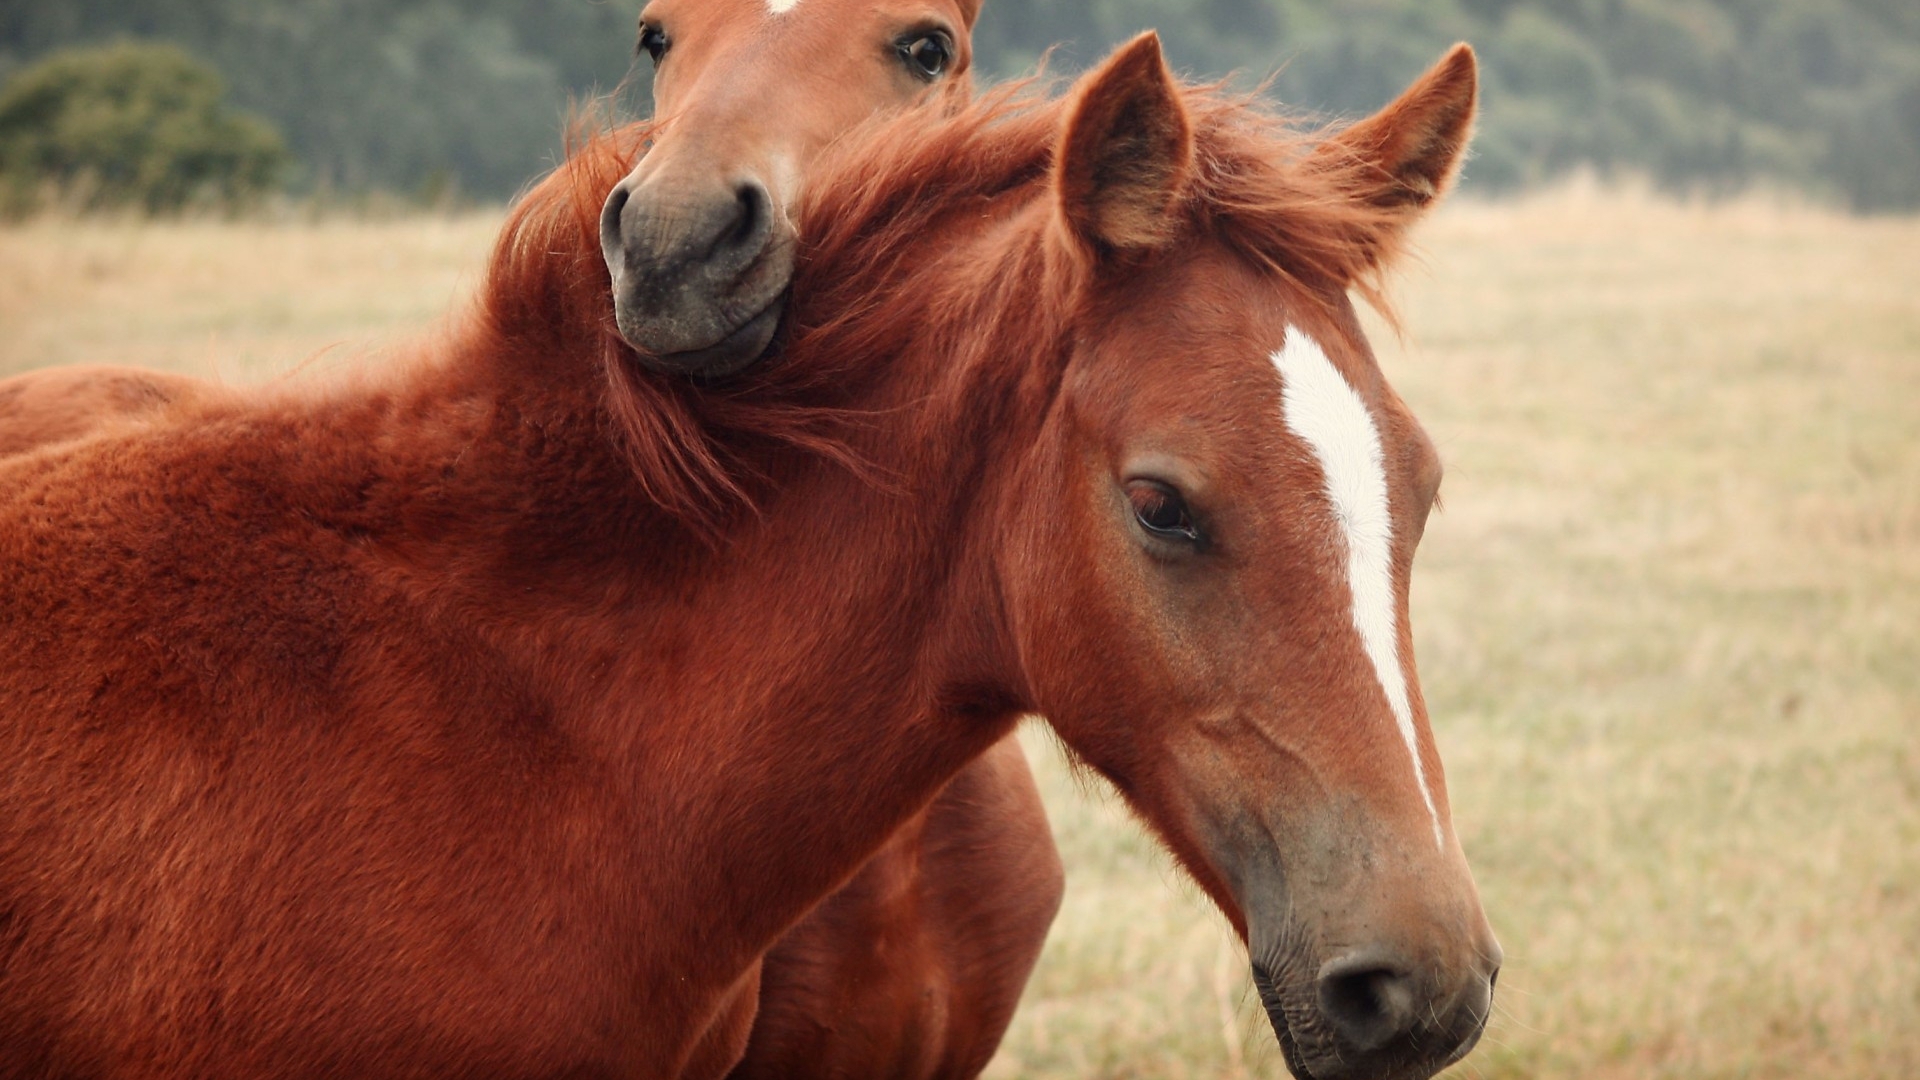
column 915, row 967
column 698, row 236
column 418, row 727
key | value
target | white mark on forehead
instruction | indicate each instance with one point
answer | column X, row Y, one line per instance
column 1328, row 416
column 781, row 7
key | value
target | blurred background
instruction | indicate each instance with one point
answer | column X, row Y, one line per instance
column 1667, row 338
column 432, row 98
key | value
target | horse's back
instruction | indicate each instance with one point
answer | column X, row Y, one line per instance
column 243, row 766
column 55, row 405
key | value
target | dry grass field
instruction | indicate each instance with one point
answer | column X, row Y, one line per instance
column 1668, row 623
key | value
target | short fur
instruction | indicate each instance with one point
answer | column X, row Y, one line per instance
column 972, row 882
column 460, row 721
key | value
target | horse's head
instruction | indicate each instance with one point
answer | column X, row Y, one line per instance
column 698, row 236
column 1220, row 517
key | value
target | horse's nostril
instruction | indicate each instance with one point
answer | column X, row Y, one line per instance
column 612, row 244
column 755, row 215
column 1369, row 1003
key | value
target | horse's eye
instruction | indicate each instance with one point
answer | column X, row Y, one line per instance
column 1162, row 512
column 653, row 42
column 927, row 55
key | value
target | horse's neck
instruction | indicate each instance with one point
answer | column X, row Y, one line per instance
column 812, row 691
column 792, row 696
column 787, row 696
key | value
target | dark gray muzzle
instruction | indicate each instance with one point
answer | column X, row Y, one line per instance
column 699, row 277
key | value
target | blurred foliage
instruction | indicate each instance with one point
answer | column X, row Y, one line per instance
column 1700, row 95
column 140, row 125
column 1714, row 95
column 429, row 98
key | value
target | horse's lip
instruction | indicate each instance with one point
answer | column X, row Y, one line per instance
column 1288, row 1049
column 731, row 354
column 1276, row 1015
column 1467, row 1044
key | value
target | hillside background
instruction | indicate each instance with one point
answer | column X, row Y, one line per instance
column 420, row 96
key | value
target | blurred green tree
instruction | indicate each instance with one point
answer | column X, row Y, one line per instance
column 442, row 97
column 132, row 125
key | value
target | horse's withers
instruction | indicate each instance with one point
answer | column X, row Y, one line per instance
column 697, row 237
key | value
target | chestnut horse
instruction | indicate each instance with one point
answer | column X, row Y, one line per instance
column 699, row 237
column 416, row 728
column 914, row 968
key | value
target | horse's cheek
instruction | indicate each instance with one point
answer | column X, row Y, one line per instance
column 1067, row 586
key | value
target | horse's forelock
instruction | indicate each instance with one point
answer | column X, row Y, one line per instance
column 1267, row 187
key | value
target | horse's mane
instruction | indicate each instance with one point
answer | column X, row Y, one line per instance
column 874, row 207
column 548, row 296
column 1272, row 187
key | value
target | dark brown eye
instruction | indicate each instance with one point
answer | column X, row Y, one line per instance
column 927, row 55
column 1162, row 512
column 653, row 42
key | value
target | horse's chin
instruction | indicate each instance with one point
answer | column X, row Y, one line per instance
column 1466, row 1047
column 1277, row 1016
column 732, row 354
column 1289, row 1050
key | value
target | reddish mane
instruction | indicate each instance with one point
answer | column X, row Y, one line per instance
column 547, row 295
column 1271, row 188
column 1265, row 185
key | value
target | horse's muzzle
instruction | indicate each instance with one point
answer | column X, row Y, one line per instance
column 733, row 354
column 699, row 278
column 1368, row 1015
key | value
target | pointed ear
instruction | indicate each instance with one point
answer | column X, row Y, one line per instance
column 1126, row 152
column 1406, row 155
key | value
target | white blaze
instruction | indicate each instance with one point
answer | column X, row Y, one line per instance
column 781, row 7
column 1327, row 415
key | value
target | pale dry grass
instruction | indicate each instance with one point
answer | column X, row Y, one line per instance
column 1669, row 622
column 235, row 302
column 1669, row 627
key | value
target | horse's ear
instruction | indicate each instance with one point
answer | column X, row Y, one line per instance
column 1404, row 157
column 1410, row 151
column 1125, row 153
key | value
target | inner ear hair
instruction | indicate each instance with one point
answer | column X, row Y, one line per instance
column 1126, row 153
column 1413, row 148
